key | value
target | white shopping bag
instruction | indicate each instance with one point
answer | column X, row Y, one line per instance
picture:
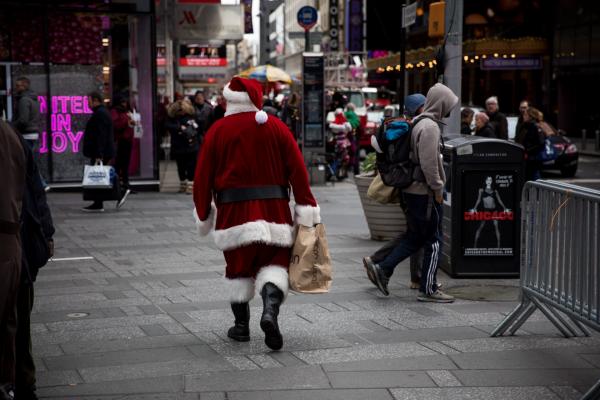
column 136, row 118
column 97, row 176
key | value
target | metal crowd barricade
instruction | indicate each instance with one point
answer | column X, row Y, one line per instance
column 560, row 260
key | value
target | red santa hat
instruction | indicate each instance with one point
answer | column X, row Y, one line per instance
column 245, row 95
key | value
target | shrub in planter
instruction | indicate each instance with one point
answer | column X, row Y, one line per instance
column 385, row 221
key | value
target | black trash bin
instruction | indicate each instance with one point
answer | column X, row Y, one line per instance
column 482, row 210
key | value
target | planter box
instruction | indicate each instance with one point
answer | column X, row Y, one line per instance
column 385, row 221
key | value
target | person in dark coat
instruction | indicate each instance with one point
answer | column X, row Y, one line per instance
column 466, row 117
column 26, row 116
column 219, row 110
column 532, row 139
column 37, row 230
column 483, row 127
column 123, row 130
column 12, row 175
column 204, row 111
column 498, row 120
column 98, row 140
column 519, row 132
column 185, row 141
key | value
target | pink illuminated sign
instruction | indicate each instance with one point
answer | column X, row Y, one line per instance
column 62, row 109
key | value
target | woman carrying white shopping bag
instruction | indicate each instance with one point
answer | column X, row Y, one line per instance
column 98, row 143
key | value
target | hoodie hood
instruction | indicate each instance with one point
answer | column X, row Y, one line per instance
column 440, row 101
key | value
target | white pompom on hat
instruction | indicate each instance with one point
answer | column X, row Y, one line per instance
column 245, row 95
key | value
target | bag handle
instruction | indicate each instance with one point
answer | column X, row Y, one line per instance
column 99, row 163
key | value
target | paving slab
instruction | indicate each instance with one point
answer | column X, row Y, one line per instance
column 380, row 379
column 307, row 377
column 514, row 393
column 332, row 394
column 522, row 377
column 393, row 364
column 520, row 359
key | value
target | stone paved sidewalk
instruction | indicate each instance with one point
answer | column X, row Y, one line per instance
column 145, row 317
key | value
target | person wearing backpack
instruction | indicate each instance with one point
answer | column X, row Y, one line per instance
column 185, row 141
column 413, row 107
column 421, row 178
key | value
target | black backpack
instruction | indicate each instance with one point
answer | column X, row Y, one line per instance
column 394, row 163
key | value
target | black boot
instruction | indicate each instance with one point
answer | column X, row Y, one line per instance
column 272, row 299
column 241, row 330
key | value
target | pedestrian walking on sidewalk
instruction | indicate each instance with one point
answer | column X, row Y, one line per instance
column 123, row 129
column 37, row 230
column 413, row 106
column 423, row 199
column 497, row 119
column 26, row 118
column 483, row 127
column 185, row 141
column 99, row 144
column 246, row 165
column 12, row 174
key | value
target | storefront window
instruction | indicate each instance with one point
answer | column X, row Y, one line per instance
column 80, row 52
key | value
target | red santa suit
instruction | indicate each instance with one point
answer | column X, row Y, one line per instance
column 248, row 149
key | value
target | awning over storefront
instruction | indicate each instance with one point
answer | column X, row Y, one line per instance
column 479, row 48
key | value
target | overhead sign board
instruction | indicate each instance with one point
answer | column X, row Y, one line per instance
column 195, row 22
column 409, row 15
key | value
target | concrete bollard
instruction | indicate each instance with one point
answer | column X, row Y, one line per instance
column 583, row 138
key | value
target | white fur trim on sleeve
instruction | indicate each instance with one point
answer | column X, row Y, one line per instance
column 205, row 227
column 274, row 274
column 307, row 215
column 375, row 144
column 239, row 290
column 261, row 117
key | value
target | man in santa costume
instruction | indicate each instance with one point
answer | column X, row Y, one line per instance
column 246, row 166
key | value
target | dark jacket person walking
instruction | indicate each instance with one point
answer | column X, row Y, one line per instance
column 37, row 230
column 12, row 175
column 98, row 140
column 423, row 198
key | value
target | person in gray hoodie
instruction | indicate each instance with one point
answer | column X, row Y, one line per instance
column 423, row 199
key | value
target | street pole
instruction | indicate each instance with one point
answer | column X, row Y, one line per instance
column 307, row 40
column 402, row 85
column 169, row 71
column 453, row 59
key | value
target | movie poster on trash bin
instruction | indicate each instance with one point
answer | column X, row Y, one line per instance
column 489, row 221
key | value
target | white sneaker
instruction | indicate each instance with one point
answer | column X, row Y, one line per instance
column 437, row 297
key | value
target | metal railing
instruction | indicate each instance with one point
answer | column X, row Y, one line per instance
column 560, row 261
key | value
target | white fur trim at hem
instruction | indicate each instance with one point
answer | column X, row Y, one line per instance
column 307, row 215
column 275, row 274
column 239, row 290
column 205, row 227
column 259, row 231
column 261, row 117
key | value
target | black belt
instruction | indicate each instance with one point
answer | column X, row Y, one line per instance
column 9, row 228
column 252, row 193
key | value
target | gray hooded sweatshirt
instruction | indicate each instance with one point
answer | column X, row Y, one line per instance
column 425, row 141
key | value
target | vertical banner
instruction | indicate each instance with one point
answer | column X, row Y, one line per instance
column 354, row 23
column 313, row 100
column 334, row 26
column 489, row 225
column 247, row 16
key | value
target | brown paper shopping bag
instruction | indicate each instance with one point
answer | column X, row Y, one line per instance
column 310, row 266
